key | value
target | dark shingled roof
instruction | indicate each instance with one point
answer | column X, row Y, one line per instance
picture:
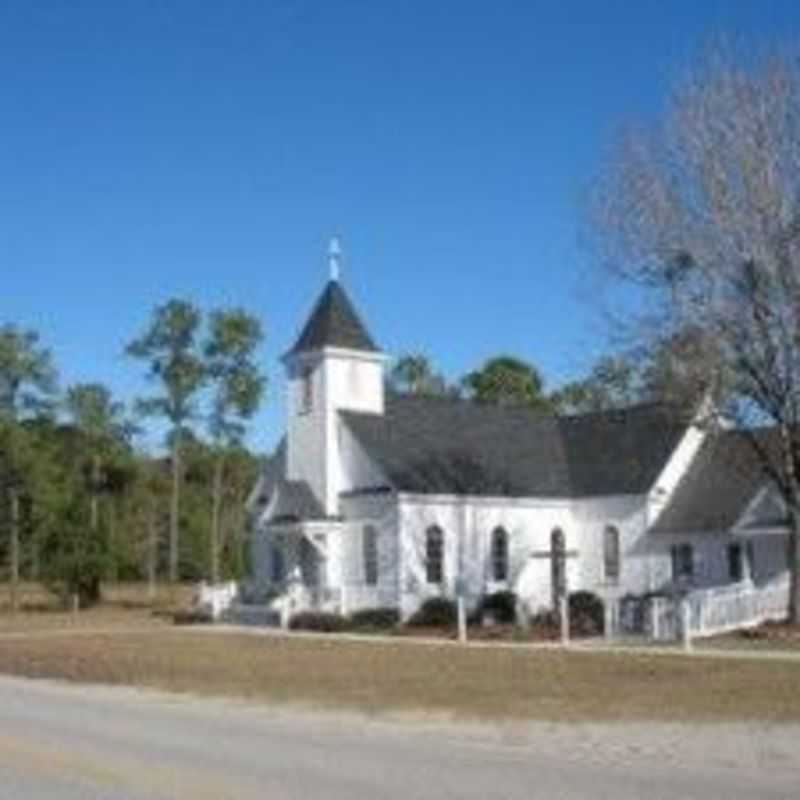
column 334, row 323
column 719, row 485
column 296, row 501
column 434, row 445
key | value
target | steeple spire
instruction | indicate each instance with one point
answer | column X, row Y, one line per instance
column 335, row 257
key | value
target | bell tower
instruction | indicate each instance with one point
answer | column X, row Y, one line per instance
column 334, row 366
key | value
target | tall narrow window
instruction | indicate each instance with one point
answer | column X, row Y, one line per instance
column 682, row 562
column 370, row 545
column 611, row 554
column 307, row 390
column 499, row 554
column 735, row 562
column 750, row 555
column 277, row 563
column 434, row 554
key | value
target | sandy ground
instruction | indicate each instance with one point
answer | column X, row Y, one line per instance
column 77, row 742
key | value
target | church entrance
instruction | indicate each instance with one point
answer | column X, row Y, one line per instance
column 312, row 560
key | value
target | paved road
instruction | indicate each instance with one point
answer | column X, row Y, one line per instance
column 76, row 743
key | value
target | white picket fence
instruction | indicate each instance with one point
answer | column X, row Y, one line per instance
column 720, row 610
column 230, row 602
column 717, row 610
column 216, row 598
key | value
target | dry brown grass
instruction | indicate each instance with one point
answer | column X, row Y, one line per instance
column 770, row 636
column 400, row 676
column 125, row 605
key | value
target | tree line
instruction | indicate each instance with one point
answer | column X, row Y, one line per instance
column 82, row 498
column 659, row 374
column 84, row 501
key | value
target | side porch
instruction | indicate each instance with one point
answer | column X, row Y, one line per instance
column 705, row 584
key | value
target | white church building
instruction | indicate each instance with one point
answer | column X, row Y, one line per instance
column 374, row 499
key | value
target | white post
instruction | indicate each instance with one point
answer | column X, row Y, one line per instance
column 462, row 618
column 654, row 605
column 686, row 623
column 461, row 584
column 701, row 622
column 285, row 612
column 563, row 613
column 608, row 617
column 523, row 616
column 343, row 599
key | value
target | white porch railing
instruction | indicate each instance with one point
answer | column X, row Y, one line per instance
column 715, row 610
column 726, row 608
column 216, row 598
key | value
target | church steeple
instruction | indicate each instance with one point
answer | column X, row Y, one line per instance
column 334, row 322
column 333, row 366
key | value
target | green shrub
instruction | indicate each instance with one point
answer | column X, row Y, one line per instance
column 380, row 618
column 545, row 618
column 319, row 621
column 501, row 606
column 586, row 617
column 435, row 612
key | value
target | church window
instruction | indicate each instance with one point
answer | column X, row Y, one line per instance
column 370, row 546
column 277, row 564
column 434, row 554
column 611, row 554
column 682, row 562
column 499, row 554
column 735, row 562
column 307, row 390
column 750, row 555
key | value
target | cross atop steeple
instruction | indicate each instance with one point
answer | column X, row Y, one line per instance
column 335, row 257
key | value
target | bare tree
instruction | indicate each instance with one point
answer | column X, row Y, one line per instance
column 703, row 208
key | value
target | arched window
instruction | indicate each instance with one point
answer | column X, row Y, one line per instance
column 558, row 565
column 370, row 552
column 434, row 554
column 611, row 554
column 499, row 554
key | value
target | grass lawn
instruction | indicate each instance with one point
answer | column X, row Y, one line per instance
column 769, row 636
column 125, row 605
column 396, row 676
column 130, row 640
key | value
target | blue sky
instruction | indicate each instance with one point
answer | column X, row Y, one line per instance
column 208, row 150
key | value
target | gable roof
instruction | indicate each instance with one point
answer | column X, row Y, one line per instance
column 334, row 322
column 720, row 484
column 295, row 501
column 436, row 445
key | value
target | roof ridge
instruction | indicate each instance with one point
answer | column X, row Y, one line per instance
column 466, row 402
column 539, row 413
column 641, row 406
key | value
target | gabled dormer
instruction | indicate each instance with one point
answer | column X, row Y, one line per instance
column 333, row 366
